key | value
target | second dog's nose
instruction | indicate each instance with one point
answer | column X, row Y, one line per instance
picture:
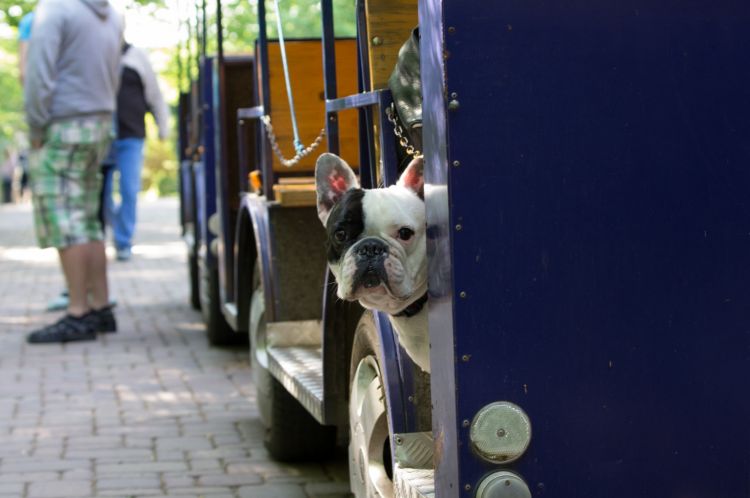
column 371, row 248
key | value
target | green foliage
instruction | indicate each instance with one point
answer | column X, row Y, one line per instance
column 12, row 120
column 11, row 11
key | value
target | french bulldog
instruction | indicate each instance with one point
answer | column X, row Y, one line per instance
column 376, row 246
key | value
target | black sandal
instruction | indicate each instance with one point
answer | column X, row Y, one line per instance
column 67, row 329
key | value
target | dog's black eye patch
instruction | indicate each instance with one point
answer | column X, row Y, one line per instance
column 345, row 223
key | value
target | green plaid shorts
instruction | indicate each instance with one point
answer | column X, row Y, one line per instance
column 66, row 181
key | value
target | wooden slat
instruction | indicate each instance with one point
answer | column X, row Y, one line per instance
column 294, row 195
column 390, row 22
column 305, row 58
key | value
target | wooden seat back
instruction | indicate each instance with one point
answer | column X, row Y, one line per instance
column 305, row 62
column 389, row 24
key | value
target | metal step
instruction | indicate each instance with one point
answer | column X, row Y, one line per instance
column 300, row 370
column 414, row 483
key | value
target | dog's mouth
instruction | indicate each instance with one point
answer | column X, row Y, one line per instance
column 371, row 278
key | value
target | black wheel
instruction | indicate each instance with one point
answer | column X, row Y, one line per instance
column 194, row 276
column 292, row 434
column 217, row 329
column 370, row 468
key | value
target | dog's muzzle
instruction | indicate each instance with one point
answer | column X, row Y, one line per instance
column 370, row 255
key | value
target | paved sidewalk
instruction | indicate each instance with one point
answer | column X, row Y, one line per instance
column 149, row 411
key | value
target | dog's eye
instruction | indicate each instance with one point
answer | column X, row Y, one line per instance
column 340, row 235
column 405, row 233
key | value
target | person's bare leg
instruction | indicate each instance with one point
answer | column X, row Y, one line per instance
column 74, row 260
column 97, row 275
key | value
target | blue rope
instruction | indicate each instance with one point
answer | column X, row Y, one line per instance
column 298, row 146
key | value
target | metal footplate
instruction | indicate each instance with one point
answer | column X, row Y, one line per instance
column 300, row 370
column 414, row 483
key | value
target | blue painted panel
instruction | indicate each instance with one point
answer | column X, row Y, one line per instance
column 604, row 242
column 207, row 181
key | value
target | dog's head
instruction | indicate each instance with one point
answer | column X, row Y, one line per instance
column 376, row 237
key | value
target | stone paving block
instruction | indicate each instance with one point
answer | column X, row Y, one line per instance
column 8, row 477
column 183, row 443
column 131, row 492
column 229, row 479
column 272, row 491
column 141, row 468
column 59, row 489
column 12, row 488
column 39, row 465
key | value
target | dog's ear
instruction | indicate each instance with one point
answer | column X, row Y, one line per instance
column 333, row 177
column 413, row 177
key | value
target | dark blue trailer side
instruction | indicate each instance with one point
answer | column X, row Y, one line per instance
column 596, row 157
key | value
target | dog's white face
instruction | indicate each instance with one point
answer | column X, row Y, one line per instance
column 376, row 237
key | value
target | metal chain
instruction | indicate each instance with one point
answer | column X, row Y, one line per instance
column 403, row 140
column 301, row 153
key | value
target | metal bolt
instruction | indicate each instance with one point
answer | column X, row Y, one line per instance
column 454, row 95
column 466, row 423
column 411, row 399
column 465, row 357
column 462, row 294
column 500, row 433
column 467, row 487
column 453, row 105
column 399, row 440
column 507, row 482
column 456, row 164
column 376, row 40
column 451, row 29
column 458, row 227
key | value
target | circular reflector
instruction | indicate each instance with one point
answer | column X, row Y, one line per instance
column 503, row 484
column 500, row 432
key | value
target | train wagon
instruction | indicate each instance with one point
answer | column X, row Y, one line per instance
column 587, row 239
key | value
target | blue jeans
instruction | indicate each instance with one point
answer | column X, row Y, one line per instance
column 128, row 153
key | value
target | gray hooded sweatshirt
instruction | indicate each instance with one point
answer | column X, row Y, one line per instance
column 73, row 63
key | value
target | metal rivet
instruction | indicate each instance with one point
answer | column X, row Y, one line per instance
column 465, row 357
column 399, row 440
column 376, row 40
column 411, row 399
column 466, row 423
column 462, row 294
column 451, row 29
column 459, row 227
column 500, row 433
column 454, row 95
column 456, row 164
column 467, row 487
column 453, row 105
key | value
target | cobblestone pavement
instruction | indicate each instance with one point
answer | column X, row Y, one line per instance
column 149, row 411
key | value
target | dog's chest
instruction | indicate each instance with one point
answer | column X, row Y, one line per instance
column 412, row 335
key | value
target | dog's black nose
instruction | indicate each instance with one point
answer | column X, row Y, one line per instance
column 371, row 248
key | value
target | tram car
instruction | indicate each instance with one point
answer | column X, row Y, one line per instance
column 586, row 227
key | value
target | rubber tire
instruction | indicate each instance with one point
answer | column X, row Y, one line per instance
column 217, row 329
column 291, row 433
column 366, row 344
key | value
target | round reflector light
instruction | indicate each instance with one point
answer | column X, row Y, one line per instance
column 503, row 484
column 500, row 432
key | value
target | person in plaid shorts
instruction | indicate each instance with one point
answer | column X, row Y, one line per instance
column 72, row 75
